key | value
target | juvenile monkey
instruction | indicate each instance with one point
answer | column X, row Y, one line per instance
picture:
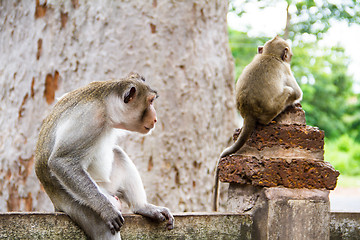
column 79, row 164
column 264, row 89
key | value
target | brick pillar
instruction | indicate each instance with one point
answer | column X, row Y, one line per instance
column 281, row 178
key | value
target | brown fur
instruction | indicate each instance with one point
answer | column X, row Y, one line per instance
column 264, row 89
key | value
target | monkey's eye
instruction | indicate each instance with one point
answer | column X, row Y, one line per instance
column 151, row 100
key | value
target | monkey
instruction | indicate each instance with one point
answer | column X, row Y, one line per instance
column 264, row 89
column 79, row 164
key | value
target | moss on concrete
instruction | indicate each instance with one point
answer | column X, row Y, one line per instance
column 187, row 226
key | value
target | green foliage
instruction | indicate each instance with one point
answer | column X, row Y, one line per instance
column 321, row 72
column 243, row 49
column 352, row 118
column 344, row 154
column 314, row 17
column 348, row 181
column 322, row 75
column 311, row 17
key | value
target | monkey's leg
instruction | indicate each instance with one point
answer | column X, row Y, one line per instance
column 297, row 96
column 277, row 105
column 87, row 219
column 130, row 188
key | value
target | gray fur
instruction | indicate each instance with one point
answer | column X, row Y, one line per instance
column 80, row 166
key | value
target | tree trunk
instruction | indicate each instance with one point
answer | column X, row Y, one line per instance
column 288, row 24
column 181, row 47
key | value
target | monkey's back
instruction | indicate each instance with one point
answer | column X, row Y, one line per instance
column 259, row 84
column 47, row 136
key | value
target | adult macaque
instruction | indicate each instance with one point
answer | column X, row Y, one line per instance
column 264, row 89
column 79, row 164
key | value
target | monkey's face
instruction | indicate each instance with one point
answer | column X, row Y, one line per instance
column 148, row 118
column 134, row 110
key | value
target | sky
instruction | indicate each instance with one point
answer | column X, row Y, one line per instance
column 273, row 20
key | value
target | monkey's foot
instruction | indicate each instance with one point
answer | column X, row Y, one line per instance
column 159, row 214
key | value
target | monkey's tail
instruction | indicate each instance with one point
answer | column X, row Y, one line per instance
column 216, row 190
column 249, row 126
column 247, row 129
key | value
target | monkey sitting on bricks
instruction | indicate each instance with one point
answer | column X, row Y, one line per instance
column 264, row 89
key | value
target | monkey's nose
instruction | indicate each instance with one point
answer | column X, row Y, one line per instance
column 155, row 120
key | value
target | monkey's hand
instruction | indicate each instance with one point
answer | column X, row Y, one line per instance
column 113, row 219
column 157, row 213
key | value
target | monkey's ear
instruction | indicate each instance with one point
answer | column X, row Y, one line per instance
column 286, row 56
column 260, row 49
column 129, row 95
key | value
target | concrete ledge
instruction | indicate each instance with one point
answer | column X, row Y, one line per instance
column 187, row 226
column 344, row 226
column 55, row 226
column 59, row 226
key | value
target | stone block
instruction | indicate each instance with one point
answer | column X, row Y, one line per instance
column 345, row 226
column 285, row 152
column 280, row 177
column 271, row 172
column 283, row 213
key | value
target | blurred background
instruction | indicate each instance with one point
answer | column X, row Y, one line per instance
column 190, row 51
column 50, row 47
column 325, row 39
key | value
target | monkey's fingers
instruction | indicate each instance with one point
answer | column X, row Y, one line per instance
column 169, row 217
column 111, row 227
column 121, row 219
column 157, row 215
column 116, row 223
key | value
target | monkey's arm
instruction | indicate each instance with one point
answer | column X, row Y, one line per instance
column 127, row 184
column 71, row 154
column 291, row 82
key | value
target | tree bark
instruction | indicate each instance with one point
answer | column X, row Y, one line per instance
column 181, row 47
column 288, row 23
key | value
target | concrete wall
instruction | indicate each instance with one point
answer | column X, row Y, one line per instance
column 187, row 226
column 343, row 226
column 48, row 48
